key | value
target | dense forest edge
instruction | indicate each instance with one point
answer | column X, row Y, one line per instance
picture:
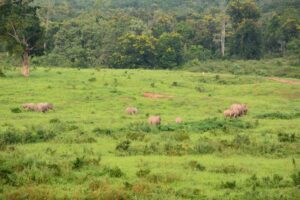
column 199, row 35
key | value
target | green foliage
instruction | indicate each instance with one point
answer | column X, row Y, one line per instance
column 247, row 40
column 134, row 51
column 278, row 115
column 143, row 173
column 20, row 27
column 78, row 163
column 114, row 172
column 228, row 185
column 169, row 50
column 16, row 110
column 123, row 146
column 194, row 165
column 286, row 137
column 155, row 34
column 241, row 10
column 296, row 178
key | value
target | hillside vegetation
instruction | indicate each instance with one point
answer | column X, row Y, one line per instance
column 89, row 148
column 152, row 34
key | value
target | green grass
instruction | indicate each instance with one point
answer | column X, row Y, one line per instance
column 70, row 153
column 279, row 67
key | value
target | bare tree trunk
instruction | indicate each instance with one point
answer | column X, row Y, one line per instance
column 223, row 27
column 223, row 37
column 25, row 62
column 282, row 47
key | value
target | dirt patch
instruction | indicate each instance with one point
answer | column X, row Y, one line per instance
column 285, row 81
column 156, row 96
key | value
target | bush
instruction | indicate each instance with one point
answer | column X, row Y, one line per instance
column 2, row 73
column 229, row 169
column 123, row 146
column 296, row 178
column 241, row 140
column 194, row 165
column 92, row 79
column 15, row 110
column 140, row 127
column 174, row 149
column 135, row 136
column 78, row 163
column 53, row 121
column 100, row 131
column 228, row 185
column 115, row 172
column 143, row 173
column 204, row 147
column 286, row 137
column 278, row 115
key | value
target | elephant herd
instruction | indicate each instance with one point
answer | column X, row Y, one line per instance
column 236, row 110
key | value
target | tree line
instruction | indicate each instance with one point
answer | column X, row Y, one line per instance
column 148, row 34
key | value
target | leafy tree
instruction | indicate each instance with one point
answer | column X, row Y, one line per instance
column 169, row 50
column 246, row 41
column 161, row 23
column 134, row 51
column 240, row 10
column 21, row 30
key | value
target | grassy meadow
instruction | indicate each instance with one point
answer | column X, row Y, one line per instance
column 89, row 148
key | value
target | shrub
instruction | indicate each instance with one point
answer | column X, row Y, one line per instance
column 139, row 127
column 296, row 178
column 115, row 172
column 15, row 110
column 100, row 131
column 274, row 181
column 92, row 79
column 143, row 173
column 155, row 178
column 53, row 121
column 286, row 137
column 2, row 73
column 123, row 146
column 208, row 125
column 175, row 84
column 229, row 169
column 55, row 169
column 190, row 193
column 194, row 165
column 174, row 149
column 200, row 89
column 204, row 147
column 11, row 136
column 6, row 176
column 135, row 136
column 278, row 115
column 78, row 163
column 241, row 140
column 228, row 185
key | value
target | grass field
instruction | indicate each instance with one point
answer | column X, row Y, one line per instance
column 89, row 148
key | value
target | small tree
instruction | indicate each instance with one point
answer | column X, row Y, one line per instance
column 20, row 30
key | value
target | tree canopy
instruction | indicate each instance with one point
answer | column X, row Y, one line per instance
column 143, row 33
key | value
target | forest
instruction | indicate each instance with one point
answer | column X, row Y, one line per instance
column 152, row 34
